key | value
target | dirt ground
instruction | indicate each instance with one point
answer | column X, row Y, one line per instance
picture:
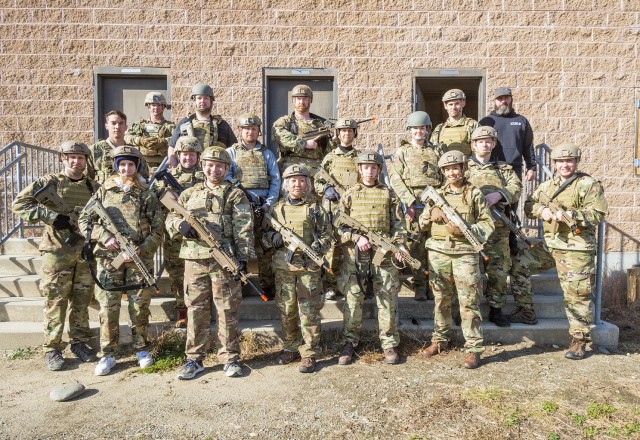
column 521, row 391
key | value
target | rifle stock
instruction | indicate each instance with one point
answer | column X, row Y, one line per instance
column 328, row 130
column 48, row 195
column 322, row 174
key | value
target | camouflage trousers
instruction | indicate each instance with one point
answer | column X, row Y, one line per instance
column 577, row 273
column 497, row 268
column 298, row 298
column 417, row 250
column 206, row 281
column 66, row 283
column 334, row 257
column 110, row 302
column 386, row 285
column 174, row 266
column 448, row 274
column 528, row 262
column 265, row 271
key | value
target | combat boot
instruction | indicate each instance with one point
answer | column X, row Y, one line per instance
column 471, row 361
column 307, row 365
column 391, row 356
column 496, row 316
column 346, row 354
column 434, row 349
column 181, row 320
column 83, row 352
column 524, row 316
column 576, row 349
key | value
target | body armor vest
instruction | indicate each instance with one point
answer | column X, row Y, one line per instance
column 371, row 206
column 300, row 127
column 456, row 137
column 251, row 168
column 488, row 177
column 126, row 211
column 464, row 209
column 210, row 204
column 299, row 219
column 186, row 178
column 421, row 167
column 205, row 131
column 344, row 169
column 76, row 194
column 568, row 200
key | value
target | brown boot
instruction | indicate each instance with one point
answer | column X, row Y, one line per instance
column 433, row 349
column 307, row 365
column 346, row 354
column 391, row 356
column 286, row 357
column 576, row 349
column 471, row 361
column 524, row 316
column 181, row 320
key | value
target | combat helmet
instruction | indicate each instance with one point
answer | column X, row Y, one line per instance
column 452, row 94
column 484, row 131
column 295, row 170
column 218, row 154
column 74, row 147
column 302, row 90
column 188, row 143
column 369, row 157
column 566, row 151
column 248, row 120
column 347, row 123
column 156, row 98
column 417, row 119
column 126, row 152
column 452, row 158
column 202, row 89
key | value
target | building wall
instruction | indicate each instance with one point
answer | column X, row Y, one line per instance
column 572, row 64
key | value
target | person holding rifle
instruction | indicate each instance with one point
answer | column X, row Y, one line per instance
column 136, row 214
column 65, row 279
column 454, row 265
column 501, row 188
column 571, row 205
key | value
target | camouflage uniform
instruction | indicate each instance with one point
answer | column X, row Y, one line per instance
column 455, row 135
column 227, row 210
column 100, row 163
column 413, row 169
column 496, row 177
column 136, row 213
column 574, row 254
column 454, row 266
column 65, row 277
column 527, row 262
column 139, row 135
column 376, row 208
column 298, row 285
column 215, row 131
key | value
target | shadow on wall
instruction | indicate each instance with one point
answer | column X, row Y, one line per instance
column 622, row 253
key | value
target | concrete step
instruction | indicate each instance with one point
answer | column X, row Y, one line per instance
column 21, row 246
column 253, row 309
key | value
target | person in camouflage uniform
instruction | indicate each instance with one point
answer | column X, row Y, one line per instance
column 376, row 207
column 455, row 132
column 136, row 213
column 227, row 209
column 187, row 173
column 65, row 278
column 298, row 291
column 209, row 129
column 454, row 264
column 415, row 165
column 254, row 167
column 576, row 198
column 152, row 135
column 501, row 188
column 341, row 165
column 288, row 130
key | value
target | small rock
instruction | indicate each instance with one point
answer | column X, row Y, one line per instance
column 66, row 392
column 555, row 346
column 253, row 434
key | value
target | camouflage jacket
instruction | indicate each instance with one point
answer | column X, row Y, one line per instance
column 455, row 135
column 30, row 210
column 223, row 207
column 408, row 193
column 100, row 163
column 584, row 199
column 144, row 129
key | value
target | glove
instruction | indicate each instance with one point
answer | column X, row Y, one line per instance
column 187, row 230
column 277, row 240
column 148, row 142
column 331, row 194
column 62, row 222
column 454, row 230
column 437, row 215
column 316, row 247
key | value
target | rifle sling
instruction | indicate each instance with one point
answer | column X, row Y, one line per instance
column 565, row 184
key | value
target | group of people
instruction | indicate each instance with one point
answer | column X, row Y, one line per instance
column 442, row 206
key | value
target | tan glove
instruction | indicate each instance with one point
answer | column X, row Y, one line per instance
column 454, row 230
column 437, row 215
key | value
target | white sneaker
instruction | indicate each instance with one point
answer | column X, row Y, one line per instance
column 105, row 365
column 144, row 359
column 232, row 369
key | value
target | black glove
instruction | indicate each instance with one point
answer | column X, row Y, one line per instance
column 187, row 230
column 316, row 247
column 277, row 241
column 62, row 222
column 241, row 269
column 331, row 194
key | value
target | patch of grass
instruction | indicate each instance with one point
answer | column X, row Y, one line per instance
column 20, row 354
column 578, row 419
column 487, row 394
column 553, row 436
column 597, row 411
column 590, row 432
column 550, row 407
column 513, row 419
column 167, row 351
column 416, row 437
column 254, row 345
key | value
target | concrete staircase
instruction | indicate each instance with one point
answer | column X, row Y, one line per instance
column 21, row 308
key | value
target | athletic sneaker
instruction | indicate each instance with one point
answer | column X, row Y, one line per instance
column 54, row 360
column 144, row 359
column 105, row 365
column 233, row 369
column 190, row 370
column 83, row 352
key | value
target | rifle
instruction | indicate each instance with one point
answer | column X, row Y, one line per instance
column 211, row 237
column 555, row 208
column 430, row 193
column 162, row 173
column 322, row 174
column 49, row 196
column 328, row 130
column 382, row 243
column 95, row 207
column 499, row 215
column 294, row 242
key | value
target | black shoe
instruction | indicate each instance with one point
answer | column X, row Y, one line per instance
column 83, row 352
column 496, row 316
column 54, row 360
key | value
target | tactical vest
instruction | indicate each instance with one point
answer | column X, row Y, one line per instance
column 205, row 131
column 299, row 219
column 76, row 194
column 488, row 178
column 345, row 170
column 371, row 206
column 456, row 137
column 126, row 211
column 300, row 127
column 567, row 199
column 421, row 167
column 210, row 204
column 465, row 210
column 251, row 168
column 151, row 129
column 104, row 166
column 185, row 178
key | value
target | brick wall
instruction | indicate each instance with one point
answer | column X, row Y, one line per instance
column 572, row 63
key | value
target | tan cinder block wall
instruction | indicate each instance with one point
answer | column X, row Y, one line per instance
column 572, row 63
